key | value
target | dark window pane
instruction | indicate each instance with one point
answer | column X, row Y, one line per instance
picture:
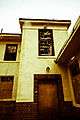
column 46, row 42
column 11, row 51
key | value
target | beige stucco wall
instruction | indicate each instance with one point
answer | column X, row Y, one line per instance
column 31, row 63
column 60, row 36
column 9, row 68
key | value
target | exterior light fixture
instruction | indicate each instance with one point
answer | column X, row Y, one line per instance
column 47, row 69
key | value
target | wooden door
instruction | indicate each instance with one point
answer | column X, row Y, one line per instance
column 6, row 89
column 47, row 100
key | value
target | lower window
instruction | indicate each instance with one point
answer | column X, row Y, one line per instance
column 75, row 75
column 6, row 87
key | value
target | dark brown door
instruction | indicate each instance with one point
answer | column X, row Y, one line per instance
column 47, row 99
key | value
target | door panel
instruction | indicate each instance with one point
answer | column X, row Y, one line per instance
column 6, row 90
column 47, row 99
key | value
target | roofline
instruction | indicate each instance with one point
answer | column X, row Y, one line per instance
column 10, row 33
column 10, row 37
column 44, row 20
column 75, row 28
column 50, row 22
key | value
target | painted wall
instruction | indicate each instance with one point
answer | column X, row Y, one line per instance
column 31, row 63
column 9, row 68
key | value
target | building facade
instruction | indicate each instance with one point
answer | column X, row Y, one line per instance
column 37, row 76
column 71, row 58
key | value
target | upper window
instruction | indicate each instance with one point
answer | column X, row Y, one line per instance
column 46, row 42
column 10, row 53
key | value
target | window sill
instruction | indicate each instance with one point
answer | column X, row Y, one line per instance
column 47, row 57
column 9, row 61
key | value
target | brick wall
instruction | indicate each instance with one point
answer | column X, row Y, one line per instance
column 28, row 111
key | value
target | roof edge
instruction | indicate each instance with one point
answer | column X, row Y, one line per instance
column 10, row 33
column 67, row 23
column 75, row 28
column 56, row 20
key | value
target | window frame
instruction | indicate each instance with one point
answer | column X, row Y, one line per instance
column 49, row 40
column 10, row 56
